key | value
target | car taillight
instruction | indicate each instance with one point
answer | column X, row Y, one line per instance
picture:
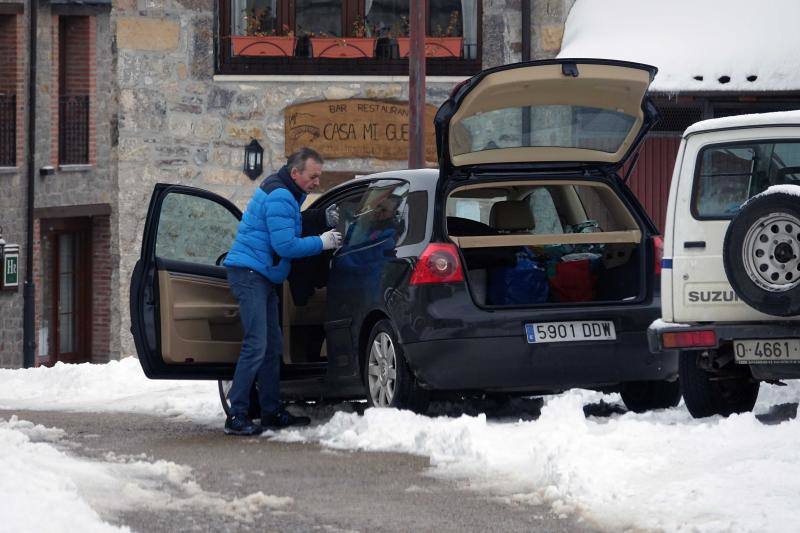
column 658, row 254
column 689, row 339
column 439, row 263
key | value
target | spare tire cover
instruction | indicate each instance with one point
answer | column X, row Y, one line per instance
column 761, row 253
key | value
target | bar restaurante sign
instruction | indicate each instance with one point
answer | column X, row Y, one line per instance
column 355, row 128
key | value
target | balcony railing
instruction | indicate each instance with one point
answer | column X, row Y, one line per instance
column 73, row 130
column 8, row 130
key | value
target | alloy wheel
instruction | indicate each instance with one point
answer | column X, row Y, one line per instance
column 382, row 370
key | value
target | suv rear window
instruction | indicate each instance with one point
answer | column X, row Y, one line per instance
column 729, row 174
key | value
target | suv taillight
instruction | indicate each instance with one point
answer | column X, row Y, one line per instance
column 658, row 254
column 439, row 263
column 688, row 339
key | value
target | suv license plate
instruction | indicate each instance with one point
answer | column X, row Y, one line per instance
column 767, row 351
column 582, row 330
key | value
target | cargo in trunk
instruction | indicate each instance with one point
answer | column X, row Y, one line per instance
column 546, row 242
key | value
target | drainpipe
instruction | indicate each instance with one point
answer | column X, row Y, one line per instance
column 28, row 291
column 526, row 56
column 416, row 87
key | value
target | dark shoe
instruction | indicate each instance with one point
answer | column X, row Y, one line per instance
column 284, row 419
column 241, row 425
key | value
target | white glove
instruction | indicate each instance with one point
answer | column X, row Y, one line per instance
column 331, row 239
column 332, row 215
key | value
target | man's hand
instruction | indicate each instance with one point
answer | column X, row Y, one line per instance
column 332, row 215
column 331, row 239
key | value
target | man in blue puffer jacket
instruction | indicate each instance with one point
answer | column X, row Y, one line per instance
column 269, row 237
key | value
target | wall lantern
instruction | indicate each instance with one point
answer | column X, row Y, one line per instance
column 253, row 159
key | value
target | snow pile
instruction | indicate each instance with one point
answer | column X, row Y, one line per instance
column 697, row 45
column 45, row 489
column 661, row 471
column 115, row 386
column 35, row 479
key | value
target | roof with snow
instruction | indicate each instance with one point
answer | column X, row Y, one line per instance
column 697, row 45
column 783, row 118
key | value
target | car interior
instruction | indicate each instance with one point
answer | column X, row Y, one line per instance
column 548, row 242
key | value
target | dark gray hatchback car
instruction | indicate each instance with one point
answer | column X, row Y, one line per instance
column 522, row 265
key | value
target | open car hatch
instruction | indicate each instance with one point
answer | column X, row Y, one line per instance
column 563, row 112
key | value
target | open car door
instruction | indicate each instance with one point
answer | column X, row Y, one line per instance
column 184, row 319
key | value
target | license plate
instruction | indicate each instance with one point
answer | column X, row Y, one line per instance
column 767, row 351
column 581, row 330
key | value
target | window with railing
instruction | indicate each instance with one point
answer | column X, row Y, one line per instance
column 75, row 88
column 365, row 37
column 73, row 134
column 8, row 130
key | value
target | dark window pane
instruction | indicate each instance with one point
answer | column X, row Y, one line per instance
column 388, row 18
column 255, row 17
column 320, row 17
column 730, row 174
column 456, row 18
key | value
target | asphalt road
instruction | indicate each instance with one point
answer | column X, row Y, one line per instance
column 330, row 490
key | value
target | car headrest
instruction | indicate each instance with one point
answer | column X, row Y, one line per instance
column 511, row 215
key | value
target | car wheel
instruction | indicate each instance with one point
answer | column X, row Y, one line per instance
column 388, row 379
column 224, row 387
column 641, row 396
column 709, row 394
column 761, row 254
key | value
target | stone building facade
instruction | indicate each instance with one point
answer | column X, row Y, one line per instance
column 75, row 260
column 161, row 110
column 182, row 122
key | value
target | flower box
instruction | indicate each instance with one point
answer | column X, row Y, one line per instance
column 271, row 45
column 434, row 46
column 343, row 47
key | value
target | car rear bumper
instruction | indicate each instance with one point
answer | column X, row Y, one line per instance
column 512, row 364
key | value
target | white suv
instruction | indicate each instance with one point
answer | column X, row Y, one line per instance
column 730, row 282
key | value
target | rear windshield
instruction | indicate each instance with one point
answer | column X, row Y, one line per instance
column 728, row 174
column 562, row 126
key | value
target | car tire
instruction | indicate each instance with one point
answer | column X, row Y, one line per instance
column 709, row 394
column 761, row 254
column 224, row 388
column 387, row 378
column 642, row 396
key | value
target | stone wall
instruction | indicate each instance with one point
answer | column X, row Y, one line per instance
column 12, row 211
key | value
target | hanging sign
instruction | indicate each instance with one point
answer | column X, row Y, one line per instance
column 355, row 128
column 10, row 278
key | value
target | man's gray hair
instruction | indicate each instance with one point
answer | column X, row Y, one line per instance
column 298, row 159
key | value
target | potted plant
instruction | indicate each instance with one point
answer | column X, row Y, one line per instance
column 444, row 42
column 360, row 45
column 259, row 41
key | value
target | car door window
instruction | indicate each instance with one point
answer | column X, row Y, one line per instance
column 380, row 216
column 194, row 229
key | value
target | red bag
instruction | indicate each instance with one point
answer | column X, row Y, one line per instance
column 574, row 281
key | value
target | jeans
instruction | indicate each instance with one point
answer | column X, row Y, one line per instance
column 262, row 346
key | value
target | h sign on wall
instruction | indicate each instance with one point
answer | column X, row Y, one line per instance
column 10, row 278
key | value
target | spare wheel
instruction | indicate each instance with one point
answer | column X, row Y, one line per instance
column 761, row 253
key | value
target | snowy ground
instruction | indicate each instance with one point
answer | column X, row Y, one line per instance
column 656, row 471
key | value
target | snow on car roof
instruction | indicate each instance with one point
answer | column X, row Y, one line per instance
column 781, row 118
column 706, row 45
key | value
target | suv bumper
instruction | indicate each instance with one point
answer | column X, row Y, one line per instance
column 725, row 332
column 729, row 331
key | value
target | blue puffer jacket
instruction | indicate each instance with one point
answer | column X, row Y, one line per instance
column 269, row 233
